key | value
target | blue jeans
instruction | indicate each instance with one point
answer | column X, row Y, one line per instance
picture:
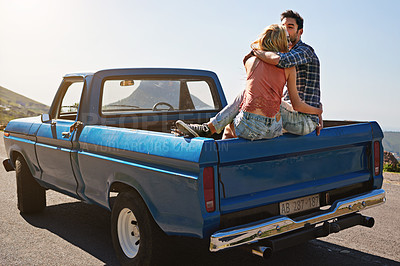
column 295, row 122
column 292, row 121
column 252, row 126
column 226, row 115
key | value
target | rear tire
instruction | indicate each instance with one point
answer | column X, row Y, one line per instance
column 136, row 238
column 31, row 196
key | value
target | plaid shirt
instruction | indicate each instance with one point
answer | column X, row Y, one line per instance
column 307, row 73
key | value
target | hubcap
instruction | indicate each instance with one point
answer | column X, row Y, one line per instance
column 128, row 233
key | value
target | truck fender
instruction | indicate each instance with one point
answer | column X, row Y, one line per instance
column 117, row 186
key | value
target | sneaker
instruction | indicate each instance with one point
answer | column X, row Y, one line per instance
column 193, row 130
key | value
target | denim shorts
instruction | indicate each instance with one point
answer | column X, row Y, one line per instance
column 252, row 126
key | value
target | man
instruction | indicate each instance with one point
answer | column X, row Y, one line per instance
column 303, row 57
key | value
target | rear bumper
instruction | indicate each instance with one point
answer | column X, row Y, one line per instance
column 278, row 225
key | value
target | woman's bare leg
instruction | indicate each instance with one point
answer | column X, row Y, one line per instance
column 229, row 132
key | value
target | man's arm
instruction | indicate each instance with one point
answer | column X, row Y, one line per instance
column 268, row 57
column 298, row 56
column 321, row 123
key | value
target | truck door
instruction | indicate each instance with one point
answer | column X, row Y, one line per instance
column 54, row 139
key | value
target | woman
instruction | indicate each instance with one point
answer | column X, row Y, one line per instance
column 259, row 116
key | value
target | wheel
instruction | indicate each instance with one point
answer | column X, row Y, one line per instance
column 31, row 196
column 136, row 238
column 171, row 108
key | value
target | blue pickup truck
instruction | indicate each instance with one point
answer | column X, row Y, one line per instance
column 107, row 140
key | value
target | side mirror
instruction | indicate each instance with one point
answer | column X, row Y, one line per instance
column 45, row 118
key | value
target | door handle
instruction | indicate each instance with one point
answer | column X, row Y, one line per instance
column 66, row 135
column 77, row 125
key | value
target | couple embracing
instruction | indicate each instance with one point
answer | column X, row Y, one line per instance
column 278, row 58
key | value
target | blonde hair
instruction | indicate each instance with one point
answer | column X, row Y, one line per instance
column 272, row 39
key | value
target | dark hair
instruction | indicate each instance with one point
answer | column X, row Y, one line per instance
column 295, row 15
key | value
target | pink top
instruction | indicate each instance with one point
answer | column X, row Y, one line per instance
column 264, row 89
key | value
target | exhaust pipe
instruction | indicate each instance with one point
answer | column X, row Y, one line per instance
column 368, row 221
column 264, row 252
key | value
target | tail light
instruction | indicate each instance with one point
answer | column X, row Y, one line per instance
column 209, row 188
column 377, row 157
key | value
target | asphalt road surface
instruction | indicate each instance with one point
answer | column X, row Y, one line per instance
column 69, row 232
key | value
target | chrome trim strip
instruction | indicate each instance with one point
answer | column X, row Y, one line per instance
column 277, row 225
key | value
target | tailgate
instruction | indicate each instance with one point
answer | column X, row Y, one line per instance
column 257, row 173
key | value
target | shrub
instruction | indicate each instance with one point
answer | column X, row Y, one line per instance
column 391, row 168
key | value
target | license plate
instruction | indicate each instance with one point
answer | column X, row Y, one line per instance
column 299, row 205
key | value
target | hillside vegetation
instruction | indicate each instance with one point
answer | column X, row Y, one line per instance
column 14, row 105
column 391, row 142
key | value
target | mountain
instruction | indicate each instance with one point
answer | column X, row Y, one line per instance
column 391, row 142
column 14, row 105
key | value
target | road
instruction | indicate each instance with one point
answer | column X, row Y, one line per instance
column 69, row 232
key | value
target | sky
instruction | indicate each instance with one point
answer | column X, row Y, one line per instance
column 356, row 42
